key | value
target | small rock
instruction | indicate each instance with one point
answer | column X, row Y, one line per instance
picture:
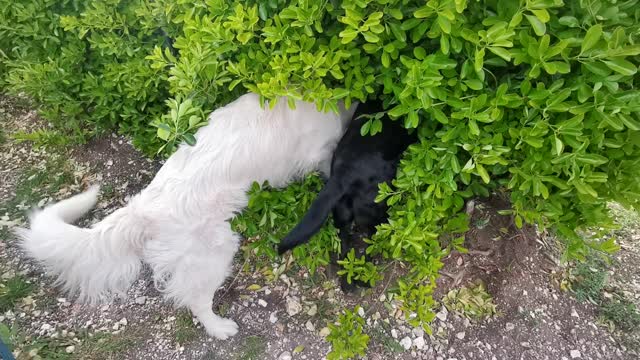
column 293, row 306
column 325, row 332
column 417, row 332
column 273, row 318
column 419, row 343
column 262, row 303
column 285, row 356
column 382, row 298
column 510, row 326
column 394, row 333
column 525, row 344
column 406, row 343
column 574, row 313
column 70, row 349
column 123, row 322
column 442, row 314
column 361, row 311
column 313, row 310
column 141, row 300
column 575, row 354
column 309, row 326
column 460, row 335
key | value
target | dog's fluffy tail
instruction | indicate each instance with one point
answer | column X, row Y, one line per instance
column 95, row 263
column 315, row 216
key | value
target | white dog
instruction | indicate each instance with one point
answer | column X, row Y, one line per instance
column 179, row 223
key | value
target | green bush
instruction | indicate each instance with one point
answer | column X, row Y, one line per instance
column 534, row 97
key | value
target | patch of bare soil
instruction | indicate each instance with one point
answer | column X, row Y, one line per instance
column 536, row 320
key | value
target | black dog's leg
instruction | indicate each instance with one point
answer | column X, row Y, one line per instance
column 342, row 219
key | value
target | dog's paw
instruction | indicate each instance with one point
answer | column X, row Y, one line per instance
column 223, row 329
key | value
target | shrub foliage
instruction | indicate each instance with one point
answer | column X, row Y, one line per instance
column 535, row 97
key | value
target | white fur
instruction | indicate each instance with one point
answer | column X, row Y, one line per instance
column 179, row 223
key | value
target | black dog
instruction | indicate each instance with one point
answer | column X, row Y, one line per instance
column 359, row 164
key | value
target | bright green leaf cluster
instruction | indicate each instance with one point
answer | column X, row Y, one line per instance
column 347, row 337
column 272, row 213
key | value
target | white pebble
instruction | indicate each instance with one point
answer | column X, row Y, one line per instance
column 309, row 326
column 141, row 300
column 406, row 343
column 273, row 318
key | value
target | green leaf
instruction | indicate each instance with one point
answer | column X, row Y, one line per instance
column 569, row 21
column 398, row 111
column 189, row 139
column 614, row 121
column 538, row 26
column 585, row 189
column 370, row 37
column 262, row 10
column 518, row 221
column 591, row 38
column 164, row 131
column 542, row 15
column 364, row 130
column 445, row 24
column 474, row 84
column 621, row 66
column 473, row 126
column 609, row 246
column 592, row 159
column 630, row 122
column 483, row 173
column 478, row 60
column 348, row 35
column 244, row 37
column 423, row 12
column 412, row 120
column 559, row 145
column 193, row 121
column 535, row 142
column 395, row 13
column 439, row 115
column 502, row 52
column 398, row 32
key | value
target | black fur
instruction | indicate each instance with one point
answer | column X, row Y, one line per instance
column 359, row 164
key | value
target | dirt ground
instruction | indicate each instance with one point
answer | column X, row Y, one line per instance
column 287, row 318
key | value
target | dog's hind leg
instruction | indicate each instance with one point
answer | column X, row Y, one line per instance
column 190, row 270
column 343, row 220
